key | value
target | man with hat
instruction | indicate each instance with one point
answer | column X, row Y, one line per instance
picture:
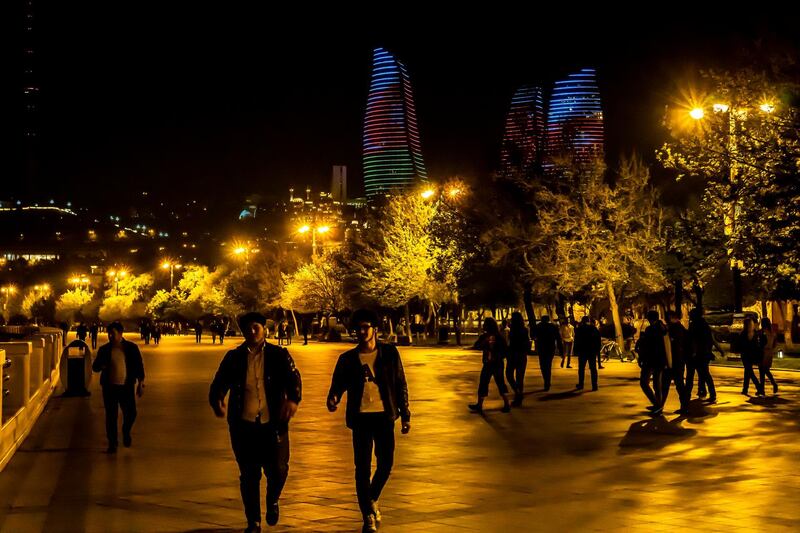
column 265, row 389
column 373, row 377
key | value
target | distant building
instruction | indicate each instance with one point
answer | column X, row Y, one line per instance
column 339, row 184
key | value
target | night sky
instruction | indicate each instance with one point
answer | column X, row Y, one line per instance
column 203, row 102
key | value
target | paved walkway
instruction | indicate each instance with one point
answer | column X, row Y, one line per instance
column 562, row 462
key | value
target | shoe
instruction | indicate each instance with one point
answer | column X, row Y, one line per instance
column 651, row 407
column 579, row 387
column 681, row 411
column 601, row 367
column 506, row 409
column 711, row 399
column 517, row 402
column 370, row 524
column 701, row 395
column 475, row 407
column 594, row 389
column 562, row 363
column 761, row 394
column 253, row 527
column 273, row 512
column 376, row 512
column 657, row 412
column 774, row 389
column 569, row 366
column 547, row 388
column 111, row 449
column 745, row 393
column 127, row 441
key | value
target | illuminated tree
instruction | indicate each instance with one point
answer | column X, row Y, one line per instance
column 72, row 305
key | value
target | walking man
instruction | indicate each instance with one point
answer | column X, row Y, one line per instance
column 567, row 331
column 121, row 374
column 701, row 345
column 678, row 341
column 377, row 394
column 652, row 360
column 265, row 390
column 587, row 346
column 547, row 338
column 93, row 331
column 198, row 332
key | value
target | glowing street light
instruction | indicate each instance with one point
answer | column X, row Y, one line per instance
column 697, row 113
column 171, row 265
column 314, row 230
column 7, row 291
column 427, row 193
column 116, row 275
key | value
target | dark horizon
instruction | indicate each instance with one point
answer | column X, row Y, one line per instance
column 226, row 103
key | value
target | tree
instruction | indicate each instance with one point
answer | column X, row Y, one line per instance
column 127, row 299
column 315, row 286
column 72, row 305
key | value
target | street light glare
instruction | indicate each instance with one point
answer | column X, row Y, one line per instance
column 428, row 193
column 721, row 108
column 766, row 107
column 323, row 229
column 697, row 113
column 240, row 250
column 303, row 229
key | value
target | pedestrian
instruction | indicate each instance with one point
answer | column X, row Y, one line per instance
column 214, row 330
column 547, row 339
column 372, row 375
column 265, row 390
column 147, row 332
column 494, row 349
column 701, row 345
column 587, row 346
column 751, row 352
column 306, row 326
column 678, row 341
column 65, row 330
column 652, row 350
column 121, row 376
column 567, row 332
column 198, row 331
column 93, row 332
column 768, row 342
column 222, row 327
column 81, row 331
column 281, row 332
column 157, row 334
column 518, row 347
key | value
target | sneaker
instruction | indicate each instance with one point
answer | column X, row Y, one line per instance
column 594, row 389
column 701, row 395
column 569, row 366
column 127, row 441
column 475, row 407
column 506, row 409
column 370, row 524
column 579, row 387
column 712, row 399
column 272, row 513
column 253, row 527
column 376, row 512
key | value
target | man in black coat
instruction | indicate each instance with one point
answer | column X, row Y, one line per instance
column 121, row 373
column 652, row 350
column 587, row 347
column 679, row 344
column 548, row 339
column 265, row 390
column 372, row 375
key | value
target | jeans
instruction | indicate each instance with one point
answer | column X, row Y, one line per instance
column 674, row 374
column 117, row 397
column 372, row 429
column 489, row 371
column 546, row 365
column 515, row 371
column 582, row 360
column 654, row 394
column 259, row 447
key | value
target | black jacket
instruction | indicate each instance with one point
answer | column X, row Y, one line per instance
column 281, row 382
column 587, row 341
column 389, row 376
column 679, row 342
column 134, row 367
column 650, row 347
column 547, row 338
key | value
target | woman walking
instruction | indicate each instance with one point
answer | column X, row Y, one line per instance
column 768, row 342
column 519, row 346
column 494, row 350
column 750, row 348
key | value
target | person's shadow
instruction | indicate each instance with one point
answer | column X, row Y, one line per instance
column 654, row 433
column 771, row 402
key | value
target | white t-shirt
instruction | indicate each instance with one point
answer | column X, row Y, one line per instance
column 255, row 398
column 118, row 370
column 371, row 399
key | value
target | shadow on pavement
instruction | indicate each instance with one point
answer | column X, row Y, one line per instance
column 768, row 401
column 213, row 530
column 654, row 433
column 560, row 395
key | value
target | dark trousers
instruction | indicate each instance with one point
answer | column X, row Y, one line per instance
column 372, row 429
column 654, row 394
column 489, row 371
column 704, row 379
column 259, row 447
column 670, row 375
column 582, row 360
column 568, row 345
column 94, row 342
column 116, row 397
column 197, row 337
column 515, row 371
column 764, row 372
column 749, row 376
column 546, row 365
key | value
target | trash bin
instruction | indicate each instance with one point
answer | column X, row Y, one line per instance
column 78, row 357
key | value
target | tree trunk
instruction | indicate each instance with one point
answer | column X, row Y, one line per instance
column 408, row 325
column 787, row 324
column 527, row 298
column 457, row 324
column 698, row 295
column 294, row 319
column 678, row 294
column 764, row 308
column 612, row 303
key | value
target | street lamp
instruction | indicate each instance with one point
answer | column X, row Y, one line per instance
column 116, row 275
column 7, row 291
column 314, row 229
column 731, row 211
column 171, row 265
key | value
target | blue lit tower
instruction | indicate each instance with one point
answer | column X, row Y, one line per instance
column 523, row 140
column 392, row 152
column 575, row 118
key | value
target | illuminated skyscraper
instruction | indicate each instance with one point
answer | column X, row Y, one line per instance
column 392, row 151
column 523, row 140
column 575, row 119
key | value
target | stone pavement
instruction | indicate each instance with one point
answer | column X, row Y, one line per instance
column 563, row 462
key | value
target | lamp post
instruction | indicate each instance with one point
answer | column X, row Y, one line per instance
column 730, row 214
column 314, row 229
column 7, row 291
column 116, row 275
column 171, row 265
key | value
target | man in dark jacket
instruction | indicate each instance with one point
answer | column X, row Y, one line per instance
column 265, row 390
column 587, row 347
column 547, row 338
column 651, row 348
column 377, row 394
column 121, row 372
column 679, row 344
